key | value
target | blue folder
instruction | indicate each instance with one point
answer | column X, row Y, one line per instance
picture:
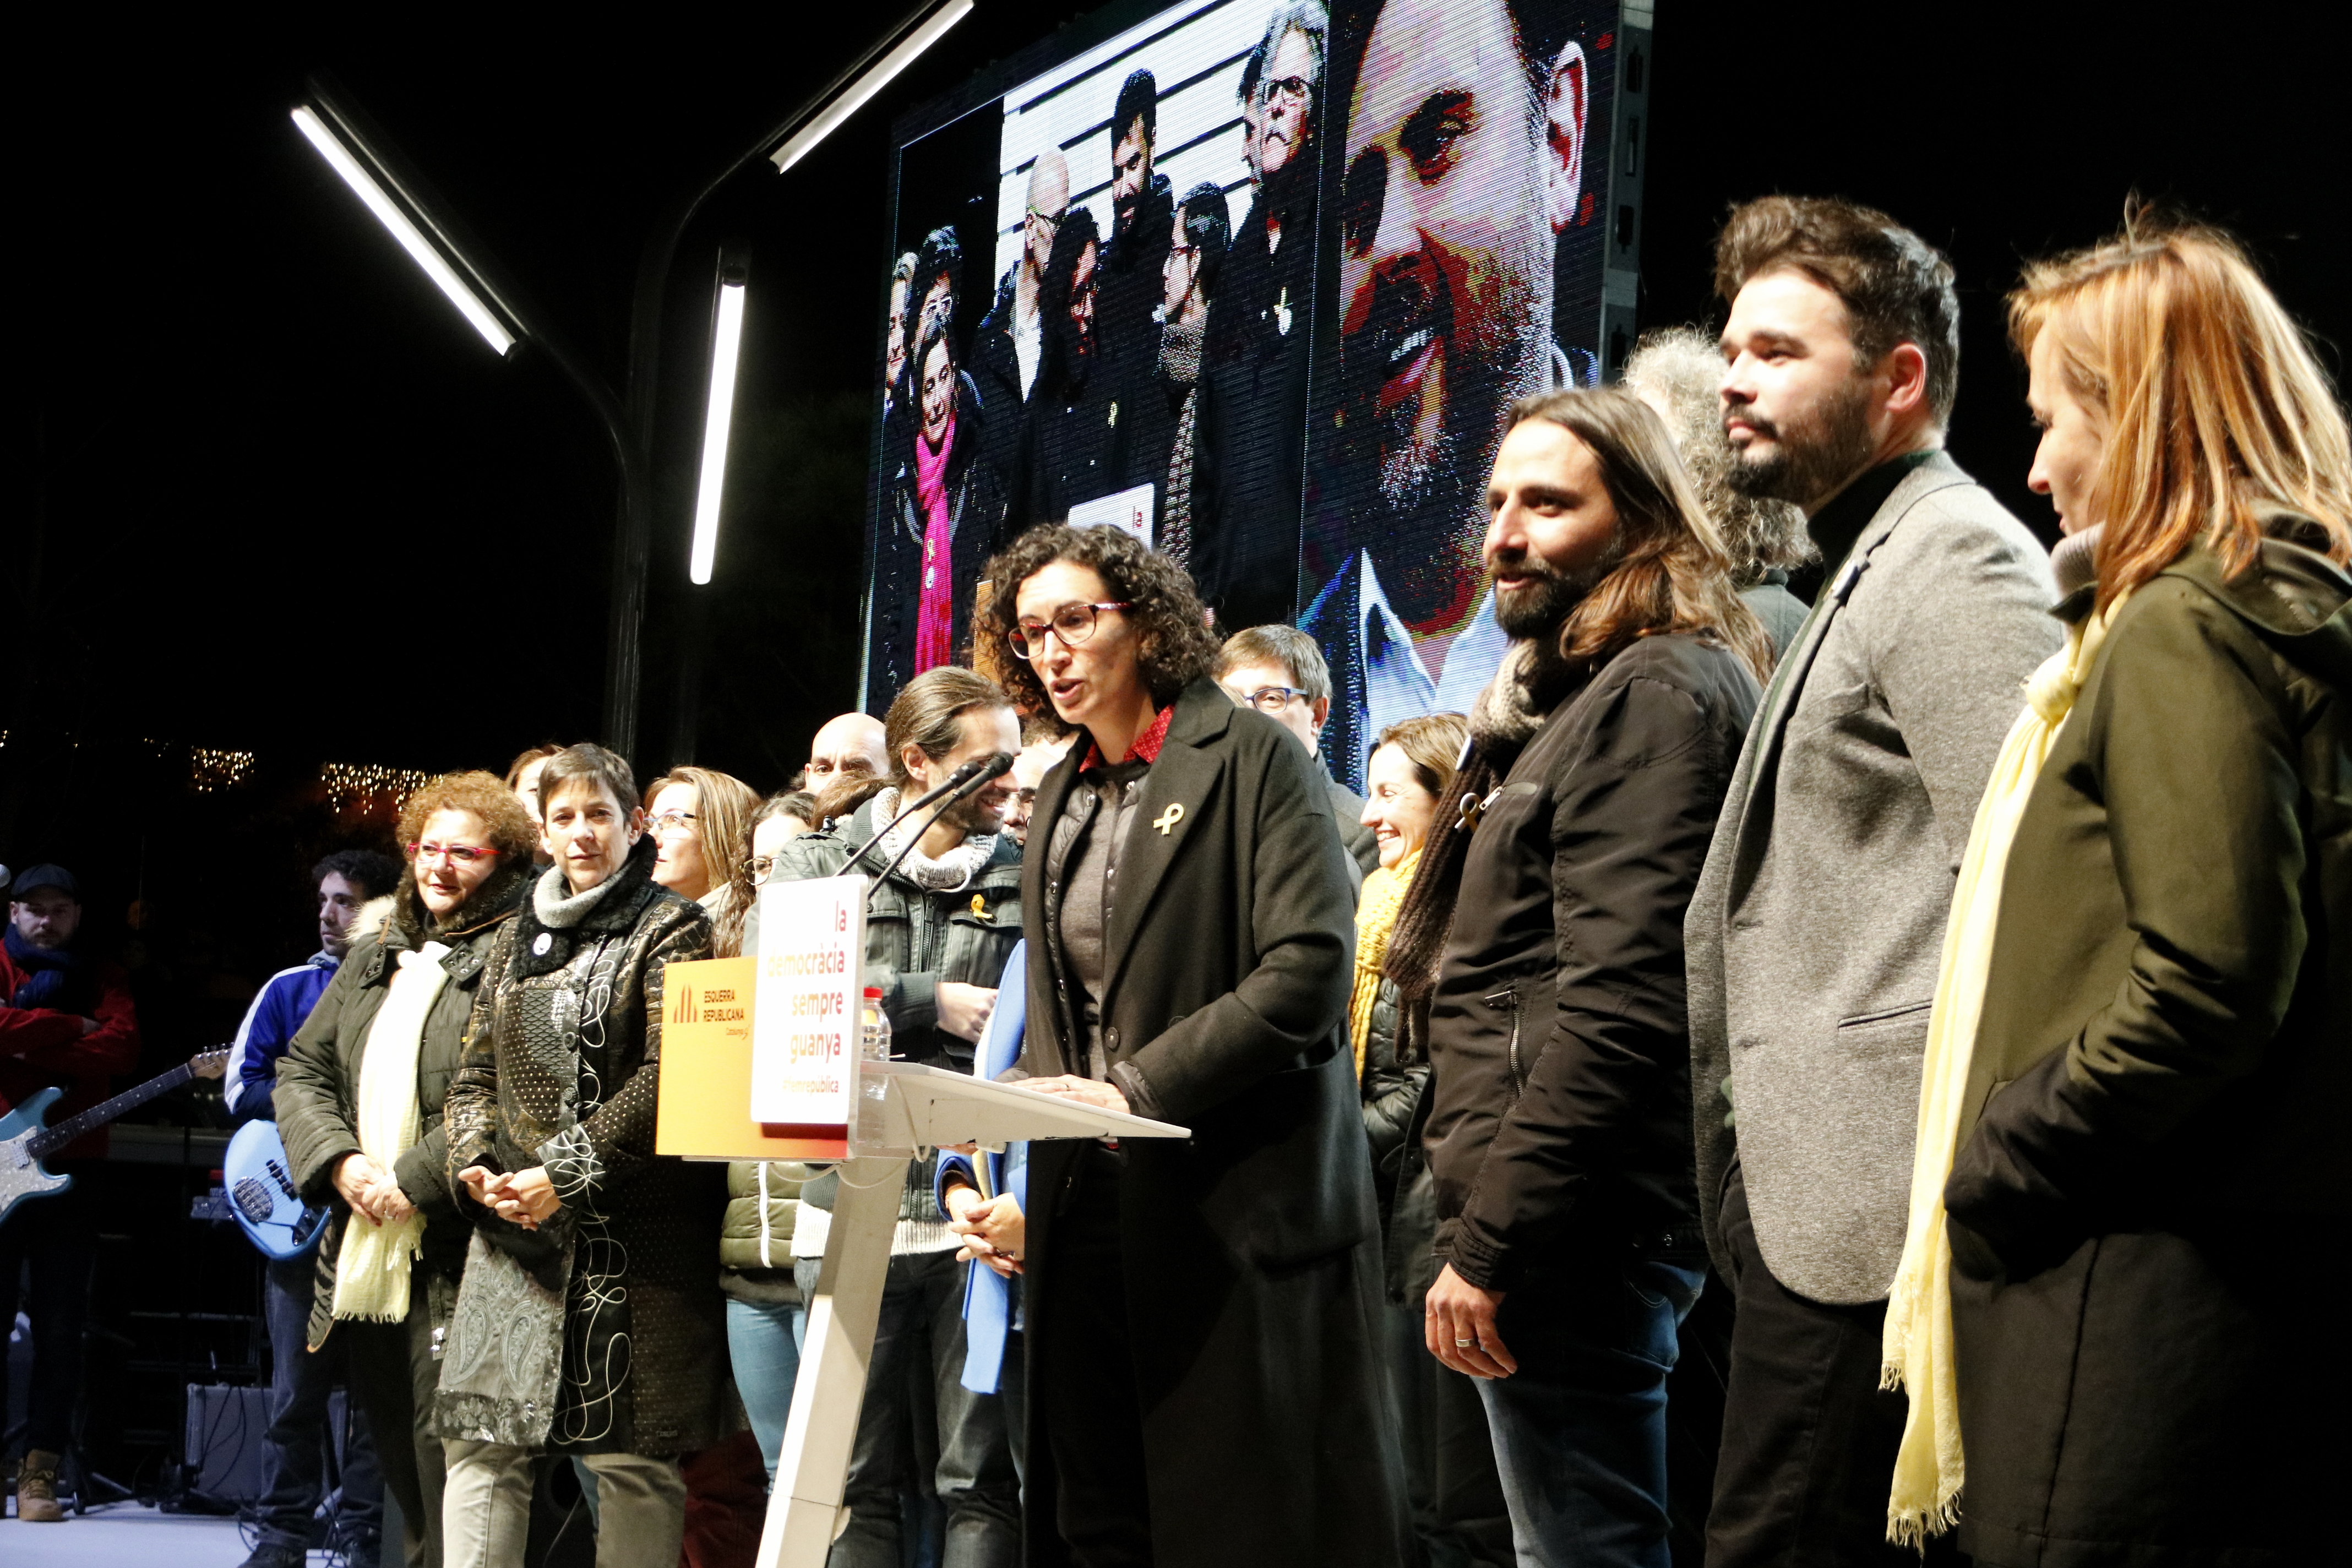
column 990, row 1301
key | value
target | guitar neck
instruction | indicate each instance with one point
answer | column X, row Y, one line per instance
column 49, row 1140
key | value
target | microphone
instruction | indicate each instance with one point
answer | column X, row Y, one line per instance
column 966, row 780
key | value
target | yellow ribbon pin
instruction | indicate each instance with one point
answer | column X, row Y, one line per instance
column 1167, row 819
column 980, row 909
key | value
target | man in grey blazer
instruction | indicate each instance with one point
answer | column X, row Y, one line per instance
column 1816, row 936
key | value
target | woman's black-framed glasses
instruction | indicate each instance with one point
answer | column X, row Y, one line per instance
column 1073, row 623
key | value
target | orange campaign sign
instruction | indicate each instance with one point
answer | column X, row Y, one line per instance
column 705, row 1108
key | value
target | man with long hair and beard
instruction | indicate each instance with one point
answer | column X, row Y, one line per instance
column 1542, row 944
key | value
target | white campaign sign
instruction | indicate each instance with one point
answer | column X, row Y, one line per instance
column 804, row 1028
column 1132, row 510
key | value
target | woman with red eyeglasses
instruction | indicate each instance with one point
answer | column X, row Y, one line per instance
column 359, row 1104
column 1202, row 1315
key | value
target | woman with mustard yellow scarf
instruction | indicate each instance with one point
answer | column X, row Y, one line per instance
column 1456, row 1496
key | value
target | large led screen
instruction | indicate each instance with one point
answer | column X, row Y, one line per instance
column 1257, row 281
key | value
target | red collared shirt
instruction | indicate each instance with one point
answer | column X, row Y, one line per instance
column 1145, row 750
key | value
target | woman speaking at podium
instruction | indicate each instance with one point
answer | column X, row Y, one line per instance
column 1204, row 1377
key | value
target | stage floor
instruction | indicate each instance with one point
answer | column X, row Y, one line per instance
column 125, row 1535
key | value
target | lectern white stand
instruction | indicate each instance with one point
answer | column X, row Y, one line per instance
column 918, row 1107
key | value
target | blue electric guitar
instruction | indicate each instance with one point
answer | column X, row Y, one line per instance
column 261, row 1196
column 24, row 1143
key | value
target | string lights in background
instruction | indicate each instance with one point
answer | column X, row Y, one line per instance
column 210, row 769
column 364, row 782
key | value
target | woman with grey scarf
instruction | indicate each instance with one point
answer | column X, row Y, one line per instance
column 589, row 1321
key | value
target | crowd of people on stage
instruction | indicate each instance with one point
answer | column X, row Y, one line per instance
column 1945, row 977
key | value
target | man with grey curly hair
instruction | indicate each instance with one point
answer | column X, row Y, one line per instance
column 1678, row 372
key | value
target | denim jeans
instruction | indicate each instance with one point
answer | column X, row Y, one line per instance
column 1580, row 1428
column 919, row 1347
column 295, row 1450
column 766, row 1353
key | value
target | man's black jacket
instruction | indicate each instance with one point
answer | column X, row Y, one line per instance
column 1561, row 1122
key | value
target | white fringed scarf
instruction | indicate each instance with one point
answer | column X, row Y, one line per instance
column 372, row 1271
column 1917, row 1354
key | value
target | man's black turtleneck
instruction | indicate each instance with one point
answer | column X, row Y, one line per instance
column 1837, row 525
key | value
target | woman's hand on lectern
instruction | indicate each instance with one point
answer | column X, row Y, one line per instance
column 1085, row 1091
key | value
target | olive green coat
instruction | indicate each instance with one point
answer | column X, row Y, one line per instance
column 755, row 1239
column 2157, row 1144
column 318, row 1094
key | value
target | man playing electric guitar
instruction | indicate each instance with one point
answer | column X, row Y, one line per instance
column 66, row 1021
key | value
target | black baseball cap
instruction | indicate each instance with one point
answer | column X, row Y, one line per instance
column 32, row 879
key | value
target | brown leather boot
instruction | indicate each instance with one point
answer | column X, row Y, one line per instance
column 37, row 1490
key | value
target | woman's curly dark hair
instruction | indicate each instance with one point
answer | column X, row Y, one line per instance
column 1174, row 647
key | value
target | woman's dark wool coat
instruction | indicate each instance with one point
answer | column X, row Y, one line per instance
column 2143, row 1209
column 1252, row 1272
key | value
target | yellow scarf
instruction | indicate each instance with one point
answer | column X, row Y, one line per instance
column 1376, row 918
column 1917, row 1354
column 371, row 1269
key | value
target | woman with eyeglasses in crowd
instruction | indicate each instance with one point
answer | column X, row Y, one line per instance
column 360, row 1103
column 764, row 1311
column 1456, row 1494
column 698, row 818
column 1203, row 1362
column 589, row 1322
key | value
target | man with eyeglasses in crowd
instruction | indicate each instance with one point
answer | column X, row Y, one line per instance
column 1278, row 670
column 1009, row 345
column 294, row 1449
column 1250, row 421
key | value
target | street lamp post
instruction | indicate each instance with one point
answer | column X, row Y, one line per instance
column 365, row 160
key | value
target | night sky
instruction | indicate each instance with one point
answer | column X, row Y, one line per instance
column 282, row 500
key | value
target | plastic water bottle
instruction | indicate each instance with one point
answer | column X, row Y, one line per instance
column 873, row 1092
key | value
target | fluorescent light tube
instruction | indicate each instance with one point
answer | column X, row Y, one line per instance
column 866, row 86
column 412, row 239
column 726, row 343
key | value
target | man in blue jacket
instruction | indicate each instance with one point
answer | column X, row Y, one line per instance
column 345, row 880
column 296, row 1444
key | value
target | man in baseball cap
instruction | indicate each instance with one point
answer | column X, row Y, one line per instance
column 66, row 1020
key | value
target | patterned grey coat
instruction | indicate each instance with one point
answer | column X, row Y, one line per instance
column 603, row 1331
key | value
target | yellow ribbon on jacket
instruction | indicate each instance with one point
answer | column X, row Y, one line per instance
column 1376, row 918
column 1917, row 1354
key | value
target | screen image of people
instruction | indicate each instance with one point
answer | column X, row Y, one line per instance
column 1259, row 283
column 1136, row 351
